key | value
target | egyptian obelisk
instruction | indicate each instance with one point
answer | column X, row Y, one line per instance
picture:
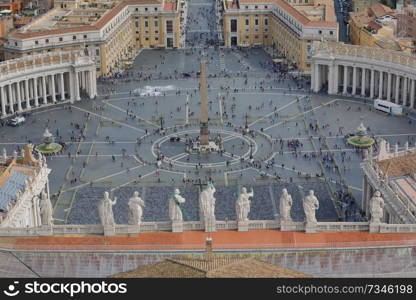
column 203, row 117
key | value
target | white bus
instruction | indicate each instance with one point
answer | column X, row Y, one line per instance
column 388, row 107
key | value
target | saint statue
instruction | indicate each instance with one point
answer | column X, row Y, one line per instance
column 376, row 208
column 285, row 203
column 105, row 210
column 136, row 205
column 242, row 206
column 45, row 209
column 175, row 212
column 310, row 205
column 207, row 203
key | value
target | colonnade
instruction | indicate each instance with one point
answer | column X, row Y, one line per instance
column 365, row 81
column 28, row 88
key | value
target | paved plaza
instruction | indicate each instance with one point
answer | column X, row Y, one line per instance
column 133, row 136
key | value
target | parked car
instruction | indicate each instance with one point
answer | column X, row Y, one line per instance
column 17, row 121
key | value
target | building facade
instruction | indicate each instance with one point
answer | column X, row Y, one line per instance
column 364, row 72
column 113, row 32
column 288, row 28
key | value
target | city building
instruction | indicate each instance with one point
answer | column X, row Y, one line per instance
column 289, row 28
column 23, row 183
column 380, row 26
column 13, row 5
column 113, row 32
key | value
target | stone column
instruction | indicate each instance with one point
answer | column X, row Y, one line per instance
column 313, row 77
column 380, row 85
column 45, row 99
column 19, row 99
column 91, row 80
column 331, row 80
column 53, row 88
column 336, row 79
column 35, row 91
column 412, row 93
column 27, row 94
column 344, row 90
column 372, row 84
column 354, row 80
column 77, row 97
column 404, row 91
column 11, row 101
column 62, row 87
column 3, row 101
column 396, row 97
column 363, row 71
column 389, row 87
column 316, row 78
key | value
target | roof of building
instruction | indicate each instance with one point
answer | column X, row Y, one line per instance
column 297, row 14
column 103, row 20
column 388, row 43
column 379, row 10
column 360, row 19
column 217, row 267
column 15, row 182
column 397, row 166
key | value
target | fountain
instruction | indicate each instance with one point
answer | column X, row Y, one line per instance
column 360, row 139
column 48, row 146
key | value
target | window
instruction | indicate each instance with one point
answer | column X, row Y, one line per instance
column 255, row 7
column 155, row 8
column 246, row 6
column 97, row 52
column 331, row 32
column 85, row 36
column 169, row 26
column 156, row 31
column 247, row 37
column 247, row 22
column 156, row 38
column 15, row 43
column 233, row 25
column 156, row 23
column 36, row 42
column 47, row 41
column 145, row 9
column 137, row 23
column 74, row 37
column 146, row 23
column 256, row 22
column 147, row 39
column 266, row 36
column 137, row 9
column 60, row 39
column 256, row 36
column 266, row 22
column 265, row 6
column 320, row 31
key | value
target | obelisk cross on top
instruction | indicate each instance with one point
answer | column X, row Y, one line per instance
column 203, row 117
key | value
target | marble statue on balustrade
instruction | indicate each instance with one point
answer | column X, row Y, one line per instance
column 376, row 204
column 136, row 205
column 105, row 210
column 46, row 211
column 310, row 205
column 175, row 202
column 207, row 204
column 242, row 206
column 285, row 205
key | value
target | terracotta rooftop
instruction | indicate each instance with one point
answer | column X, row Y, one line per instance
column 380, row 10
column 397, row 166
column 217, row 267
column 108, row 16
column 296, row 14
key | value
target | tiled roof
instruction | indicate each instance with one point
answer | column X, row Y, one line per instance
column 15, row 182
column 398, row 166
column 217, row 267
